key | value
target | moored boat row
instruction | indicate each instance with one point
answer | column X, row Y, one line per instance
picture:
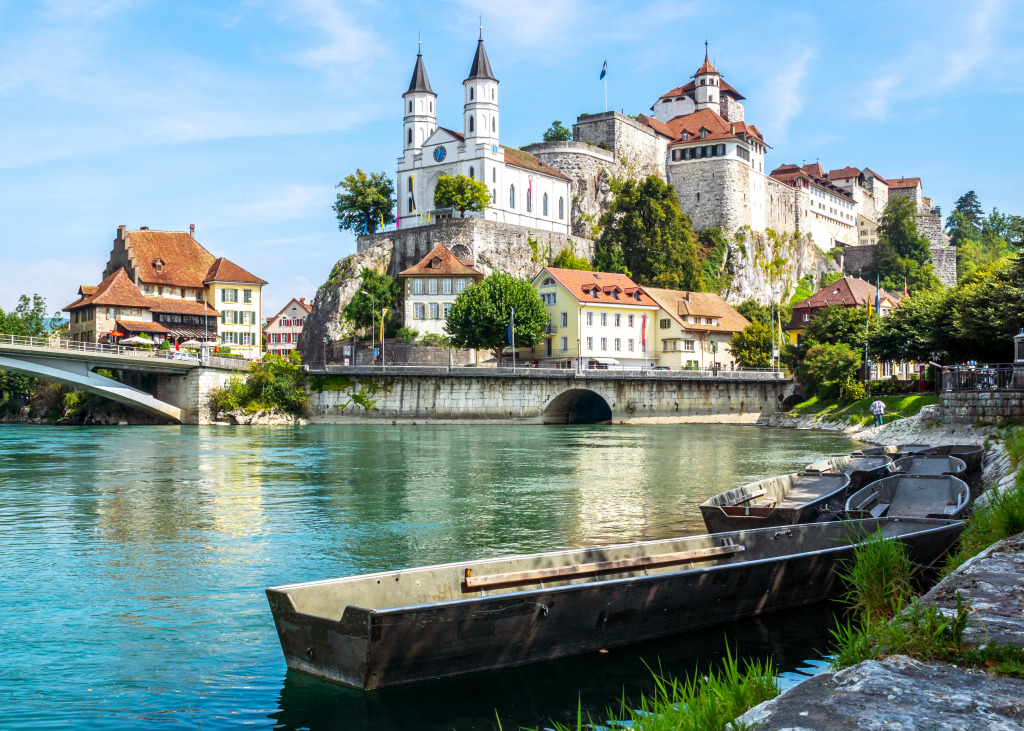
column 772, row 544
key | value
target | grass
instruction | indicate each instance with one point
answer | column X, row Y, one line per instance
column 1000, row 517
column 859, row 412
column 878, row 578
column 702, row 703
column 1014, row 443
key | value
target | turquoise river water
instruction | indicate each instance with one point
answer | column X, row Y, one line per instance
column 135, row 559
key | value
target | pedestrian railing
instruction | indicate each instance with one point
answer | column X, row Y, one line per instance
column 125, row 351
column 616, row 372
column 987, row 377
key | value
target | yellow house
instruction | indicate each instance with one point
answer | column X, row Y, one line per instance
column 598, row 320
column 693, row 330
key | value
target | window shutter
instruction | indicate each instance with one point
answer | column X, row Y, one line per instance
column 223, row 295
column 236, row 295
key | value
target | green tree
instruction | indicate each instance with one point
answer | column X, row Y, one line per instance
column 29, row 318
column 376, row 291
column 568, row 259
column 274, row 382
column 366, row 202
column 830, row 371
column 654, row 237
column 461, row 193
column 752, row 347
column 755, row 311
column 479, row 318
column 903, row 254
column 557, row 132
column 965, row 220
column 839, row 325
column 914, row 330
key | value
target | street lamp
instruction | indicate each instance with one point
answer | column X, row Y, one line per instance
column 325, row 352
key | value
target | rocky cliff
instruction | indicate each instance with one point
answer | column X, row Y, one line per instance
column 765, row 266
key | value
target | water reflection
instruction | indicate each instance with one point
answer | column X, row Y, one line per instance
column 136, row 558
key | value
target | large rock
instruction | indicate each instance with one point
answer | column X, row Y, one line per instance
column 346, row 278
column 895, row 693
column 767, row 266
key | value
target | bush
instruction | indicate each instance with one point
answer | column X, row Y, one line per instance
column 406, row 333
column 436, row 340
column 830, row 371
column 165, row 345
column 276, row 382
column 879, row 578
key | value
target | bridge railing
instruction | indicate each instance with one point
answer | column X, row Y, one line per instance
column 119, row 350
column 745, row 374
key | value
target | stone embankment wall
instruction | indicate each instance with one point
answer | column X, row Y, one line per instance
column 485, row 396
column 638, row 149
column 715, row 192
column 970, row 407
column 395, row 352
column 192, row 393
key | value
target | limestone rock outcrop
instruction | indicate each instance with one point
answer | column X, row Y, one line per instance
column 767, row 266
column 263, row 417
column 345, row 280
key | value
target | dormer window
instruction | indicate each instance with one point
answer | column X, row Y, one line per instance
column 686, row 136
column 703, row 133
column 158, row 264
column 435, row 263
column 547, row 282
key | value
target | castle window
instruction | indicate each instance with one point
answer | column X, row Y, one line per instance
column 529, row 200
column 471, row 93
column 561, row 208
column 471, row 172
column 410, row 106
column 410, row 136
column 494, row 125
column 470, row 124
column 545, row 205
column 511, row 196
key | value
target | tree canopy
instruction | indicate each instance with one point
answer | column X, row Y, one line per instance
column 981, row 240
column 461, row 193
column 366, row 202
column 903, row 255
column 568, row 259
column 965, row 220
column 28, row 319
column 479, row 318
column 646, row 235
column 376, row 291
column 752, row 348
column 557, row 132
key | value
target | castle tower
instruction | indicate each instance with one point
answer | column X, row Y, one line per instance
column 707, row 81
column 420, row 112
column 480, row 118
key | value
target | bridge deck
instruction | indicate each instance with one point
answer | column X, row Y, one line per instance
column 568, row 374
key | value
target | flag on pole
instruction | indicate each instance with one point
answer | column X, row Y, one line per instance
column 878, row 299
column 511, row 327
column 383, row 312
column 643, row 333
column 604, row 71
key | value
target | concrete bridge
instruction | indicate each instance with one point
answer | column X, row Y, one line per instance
column 167, row 384
column 543, row 396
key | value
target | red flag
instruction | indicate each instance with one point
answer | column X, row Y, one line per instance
column 643, row 332
column 177, row 345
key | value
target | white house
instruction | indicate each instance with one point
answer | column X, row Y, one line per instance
column 430, row 289
column 524, row 191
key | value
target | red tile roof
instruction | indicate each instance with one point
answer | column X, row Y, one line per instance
column 847, row 292
column 441, row 263
column 716, row 125
column 523, row 159
column 706, row 67
column 690, row 88
column 790, row 173
column 904, row 183
column 846, row 172
column 184, row 261
column 117, row 290
column 604, row 285
column 137, row 326
column 225, row 270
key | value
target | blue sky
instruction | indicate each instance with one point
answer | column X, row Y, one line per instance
column 240, row 117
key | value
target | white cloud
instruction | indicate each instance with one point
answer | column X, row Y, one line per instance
column 787, row 94
column 288, row 203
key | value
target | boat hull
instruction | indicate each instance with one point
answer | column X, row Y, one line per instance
column 376, row 648
column 823, row 495
column 929, row 464
column 971, row 454
column 861, row 469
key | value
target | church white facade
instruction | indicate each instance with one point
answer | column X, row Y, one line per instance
column 524, row 191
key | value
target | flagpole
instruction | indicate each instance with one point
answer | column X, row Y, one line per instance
column 606, row 92
column 512, row 336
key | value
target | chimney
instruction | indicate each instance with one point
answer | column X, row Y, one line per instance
column 688, row 297
column 732, row 129
column 302, row 300
column 192, row 230
column 143, row 228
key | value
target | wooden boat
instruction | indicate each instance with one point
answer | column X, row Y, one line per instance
column 911, row 496
column 896, row 451
column 799, row 497
column 861, row 469
column 929, row 464
column 971, row 454
column 419, row 624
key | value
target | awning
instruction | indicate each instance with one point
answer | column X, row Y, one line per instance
column 604, row 361
column 140, row 327
column 198, row 333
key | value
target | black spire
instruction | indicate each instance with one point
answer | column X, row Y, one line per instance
column 420, row 82
column 481, row 68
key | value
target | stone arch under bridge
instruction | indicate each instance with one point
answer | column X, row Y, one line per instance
column 577, row 406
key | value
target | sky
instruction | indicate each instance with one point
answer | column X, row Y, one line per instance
column 242, row 116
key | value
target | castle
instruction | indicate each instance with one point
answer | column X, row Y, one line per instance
column 548, row 195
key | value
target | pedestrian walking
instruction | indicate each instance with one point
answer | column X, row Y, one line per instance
column 878, row 408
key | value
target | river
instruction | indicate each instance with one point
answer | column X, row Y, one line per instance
column 135, row 560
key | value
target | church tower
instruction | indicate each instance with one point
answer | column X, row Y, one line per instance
column 480, row 118
column 708, row 88
column 420, row 112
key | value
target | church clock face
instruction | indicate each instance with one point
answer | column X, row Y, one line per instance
column 439, row 153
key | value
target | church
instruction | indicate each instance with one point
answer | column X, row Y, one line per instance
column 524, row 190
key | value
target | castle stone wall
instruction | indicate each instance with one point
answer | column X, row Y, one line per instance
column 637, row 148
column 714, row 192
column 930, row 225
column 730, row 109
column 493, row 245
column 780, row 208
column 590, row 170
column 858, row 258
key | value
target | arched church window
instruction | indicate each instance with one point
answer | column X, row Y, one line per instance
column 529, row 200
column 492, row 94
column 494, row 195
column 511, row 196
column 410, row 184
column 410, row 135
column 411, row 209
column 410, row 106
column 544, row 204
column 470, row 124
column 494, row 175
column 471, row 171
column 431, row 105
column 561, row 208
column 471, row 93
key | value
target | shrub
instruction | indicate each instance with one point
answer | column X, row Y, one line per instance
column 165, row 345
column 879, row 578
column 436, row 340
column 830, row 370
column 1001, row 516
column 406, row 333
column 276, row 382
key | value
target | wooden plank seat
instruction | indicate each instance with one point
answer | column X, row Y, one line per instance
column 879, row 510
column 743, row 499
column 538, row 575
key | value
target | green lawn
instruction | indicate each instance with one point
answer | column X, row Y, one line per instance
column 859, row 412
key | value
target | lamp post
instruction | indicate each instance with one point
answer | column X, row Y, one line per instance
column 579, row 354
column 325, row 352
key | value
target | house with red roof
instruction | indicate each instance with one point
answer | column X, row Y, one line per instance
column 281, row 332
column 430, row 287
